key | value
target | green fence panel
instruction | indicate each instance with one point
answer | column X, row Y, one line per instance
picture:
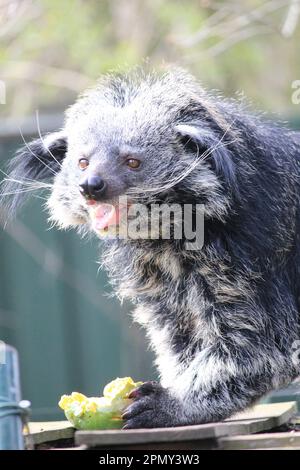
column 55, row 310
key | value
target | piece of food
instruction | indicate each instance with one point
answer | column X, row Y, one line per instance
column 99, row 412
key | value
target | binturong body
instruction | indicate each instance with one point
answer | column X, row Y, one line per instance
column 223, row 320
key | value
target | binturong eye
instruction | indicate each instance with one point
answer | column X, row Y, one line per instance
column 83, row 163
column 133, row 163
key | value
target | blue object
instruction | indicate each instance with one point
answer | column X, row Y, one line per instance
column 12, row 410
column 290, row 393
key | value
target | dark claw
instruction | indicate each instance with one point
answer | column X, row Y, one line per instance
column 152, row 407
column 138, row 407
column 143, row 420
column 135, row 393
column 144, row 389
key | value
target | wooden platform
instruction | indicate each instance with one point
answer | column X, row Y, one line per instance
column 238, row 432
column 48, row 431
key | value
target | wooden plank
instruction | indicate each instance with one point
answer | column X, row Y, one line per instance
column 196, row 433
column 249, row 426
column 262, row 441
column 280, row 412
column 279, row 448
column 138, row 436
column 261, row 418
column 48, row 431
column 146, row 436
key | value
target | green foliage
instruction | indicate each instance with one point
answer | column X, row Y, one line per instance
column 242, row 47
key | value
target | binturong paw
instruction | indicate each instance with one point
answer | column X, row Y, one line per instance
column 153, row 407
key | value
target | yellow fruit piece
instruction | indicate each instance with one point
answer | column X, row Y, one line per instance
column 66, row 400
column 120, row 388
column 99, row 412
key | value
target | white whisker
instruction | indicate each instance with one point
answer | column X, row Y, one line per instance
column 40, row 197
column 18, row 181
column 36, row 156
column 171, row 183
column 35, row 184
column 21, row 191
column 40, row 134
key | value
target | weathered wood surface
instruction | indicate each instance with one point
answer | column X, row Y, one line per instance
column 282, row 440
column 48, row 431
column 274, row 414
column 150, row 436
column 258, row 419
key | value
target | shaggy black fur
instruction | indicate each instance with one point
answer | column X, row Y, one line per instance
column 222, row 320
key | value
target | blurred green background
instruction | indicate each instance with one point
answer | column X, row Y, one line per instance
column 54, row 303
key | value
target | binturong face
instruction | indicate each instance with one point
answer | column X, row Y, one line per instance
column 111, row 152
column 139, row 138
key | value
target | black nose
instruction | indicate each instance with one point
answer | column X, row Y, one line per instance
column 92, row 187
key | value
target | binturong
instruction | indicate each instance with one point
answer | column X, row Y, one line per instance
column 222, row 318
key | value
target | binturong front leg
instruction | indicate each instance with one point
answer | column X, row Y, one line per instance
column 210, row 388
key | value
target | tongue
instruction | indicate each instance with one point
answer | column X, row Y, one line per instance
column 104, row 215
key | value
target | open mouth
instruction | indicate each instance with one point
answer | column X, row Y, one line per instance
column 106, row 218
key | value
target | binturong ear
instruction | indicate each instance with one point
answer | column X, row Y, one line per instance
column 210, row 149
column 34, row 164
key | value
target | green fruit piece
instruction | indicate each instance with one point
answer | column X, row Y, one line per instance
column 99, row 412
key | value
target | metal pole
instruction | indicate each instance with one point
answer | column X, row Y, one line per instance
column 11, row 413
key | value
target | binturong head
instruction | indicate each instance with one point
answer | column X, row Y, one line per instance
column 147, row 136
